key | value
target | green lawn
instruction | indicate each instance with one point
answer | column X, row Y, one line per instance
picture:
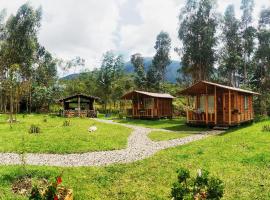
column 55, row 138
column 164, row 135
column 168, row 124
column 241, row 158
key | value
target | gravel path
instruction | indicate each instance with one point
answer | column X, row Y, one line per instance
column 139, row 147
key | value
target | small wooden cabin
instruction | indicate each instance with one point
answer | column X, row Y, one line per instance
column 140, row 104
column 218, row 105
column 78, row 105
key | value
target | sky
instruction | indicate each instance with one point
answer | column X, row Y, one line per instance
column 89, row 28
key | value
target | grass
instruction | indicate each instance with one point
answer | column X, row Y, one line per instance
column 55, row 138
column 240, row 157
column 177, row 124
column 164, row 135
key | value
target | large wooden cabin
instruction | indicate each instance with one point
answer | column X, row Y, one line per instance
column 218, row 105
column 140, row 104
column 78, row 105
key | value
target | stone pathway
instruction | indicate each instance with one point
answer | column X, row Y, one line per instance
column 139, row 147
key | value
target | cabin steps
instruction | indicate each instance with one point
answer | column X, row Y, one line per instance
column 220, row 127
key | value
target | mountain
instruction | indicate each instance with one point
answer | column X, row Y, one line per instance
column 171, row 74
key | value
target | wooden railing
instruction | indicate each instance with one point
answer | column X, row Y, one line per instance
column 140, row 112
column 81, row 113
column 200, row 116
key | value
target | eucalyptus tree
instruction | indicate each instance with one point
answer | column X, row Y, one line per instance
column 197, row 32
column 230, row 54
column 248, row 34
column 140, row 74
column 261, row 78
column 157, row 71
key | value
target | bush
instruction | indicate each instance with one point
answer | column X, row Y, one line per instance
column 66, row 123
column 266, row 128
column 200, row 187
column 35, row 129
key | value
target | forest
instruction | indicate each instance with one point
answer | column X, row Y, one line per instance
column 218, row 47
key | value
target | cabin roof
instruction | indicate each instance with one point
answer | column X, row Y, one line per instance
column 150, row 94
column 199, row 88
column 84, row 96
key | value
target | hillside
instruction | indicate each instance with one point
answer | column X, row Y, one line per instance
column 171, row 74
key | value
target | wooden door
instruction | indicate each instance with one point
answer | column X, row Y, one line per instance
column 219, row 109
column 226, row 108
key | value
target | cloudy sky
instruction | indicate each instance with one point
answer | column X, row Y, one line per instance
column 88, row 28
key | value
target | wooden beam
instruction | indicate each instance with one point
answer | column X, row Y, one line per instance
column 230, row 113
column 187, row 109
column 206, row 106
column 215, row 104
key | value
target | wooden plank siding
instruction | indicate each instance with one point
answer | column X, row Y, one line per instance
column 228, row 106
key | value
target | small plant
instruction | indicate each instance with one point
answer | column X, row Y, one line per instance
column 34, row 129
column 266, row 128
column 52, row 192
column 198, row 188
column 66, row 123
column 45, row 120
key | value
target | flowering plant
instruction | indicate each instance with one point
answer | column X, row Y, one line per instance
column 49, row 193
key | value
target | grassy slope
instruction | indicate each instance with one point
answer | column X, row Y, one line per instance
column 54, row 138
column 168, row 124
column 240, row 158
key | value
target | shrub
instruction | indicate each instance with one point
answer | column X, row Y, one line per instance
column 66, row 123
column 200, row 187
column 35, row 129
column 266, row 128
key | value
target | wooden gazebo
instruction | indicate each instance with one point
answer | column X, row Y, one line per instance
column 218, row 105
column 140, row 104
column 78, row 105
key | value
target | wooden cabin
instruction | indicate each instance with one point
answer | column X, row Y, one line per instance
column 78, row 105
column 218, row 105
column 148, row 105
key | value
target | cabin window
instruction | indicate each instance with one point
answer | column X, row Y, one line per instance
column 148, row 103
column 211, row 104
column 202, row 103
column 192, row 102
column 246, row 102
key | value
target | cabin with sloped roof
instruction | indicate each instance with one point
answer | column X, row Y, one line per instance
column 78, row 105
column 214, row 104
column 147, row 105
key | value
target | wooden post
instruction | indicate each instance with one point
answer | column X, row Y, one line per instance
column 223, row 107
column 206, row 106
column 230, row 113
column 187, row 109
column 215, row 104
column 79, row 106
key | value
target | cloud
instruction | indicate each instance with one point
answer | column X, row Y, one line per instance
column 156, row 15
column 88, row 28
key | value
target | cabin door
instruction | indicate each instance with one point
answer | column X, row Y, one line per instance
column 219, row 108
column 226, row 108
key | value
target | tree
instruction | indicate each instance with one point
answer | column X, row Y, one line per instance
column 140, row 76
column 248, row 33
column 157, row 71
column 111, row 70
column 198, row 23
column 20, row 44
column 231, row 51
column 261, row 78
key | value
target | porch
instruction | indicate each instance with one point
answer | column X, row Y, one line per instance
column 214, row 104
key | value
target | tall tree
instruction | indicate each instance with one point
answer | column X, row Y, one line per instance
column 248, row 34
column 110, row 71
column 198, row 23
column 261, row 79
column 231, row 50
column 20, row 45
column 157, row 71
column 140, row 75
